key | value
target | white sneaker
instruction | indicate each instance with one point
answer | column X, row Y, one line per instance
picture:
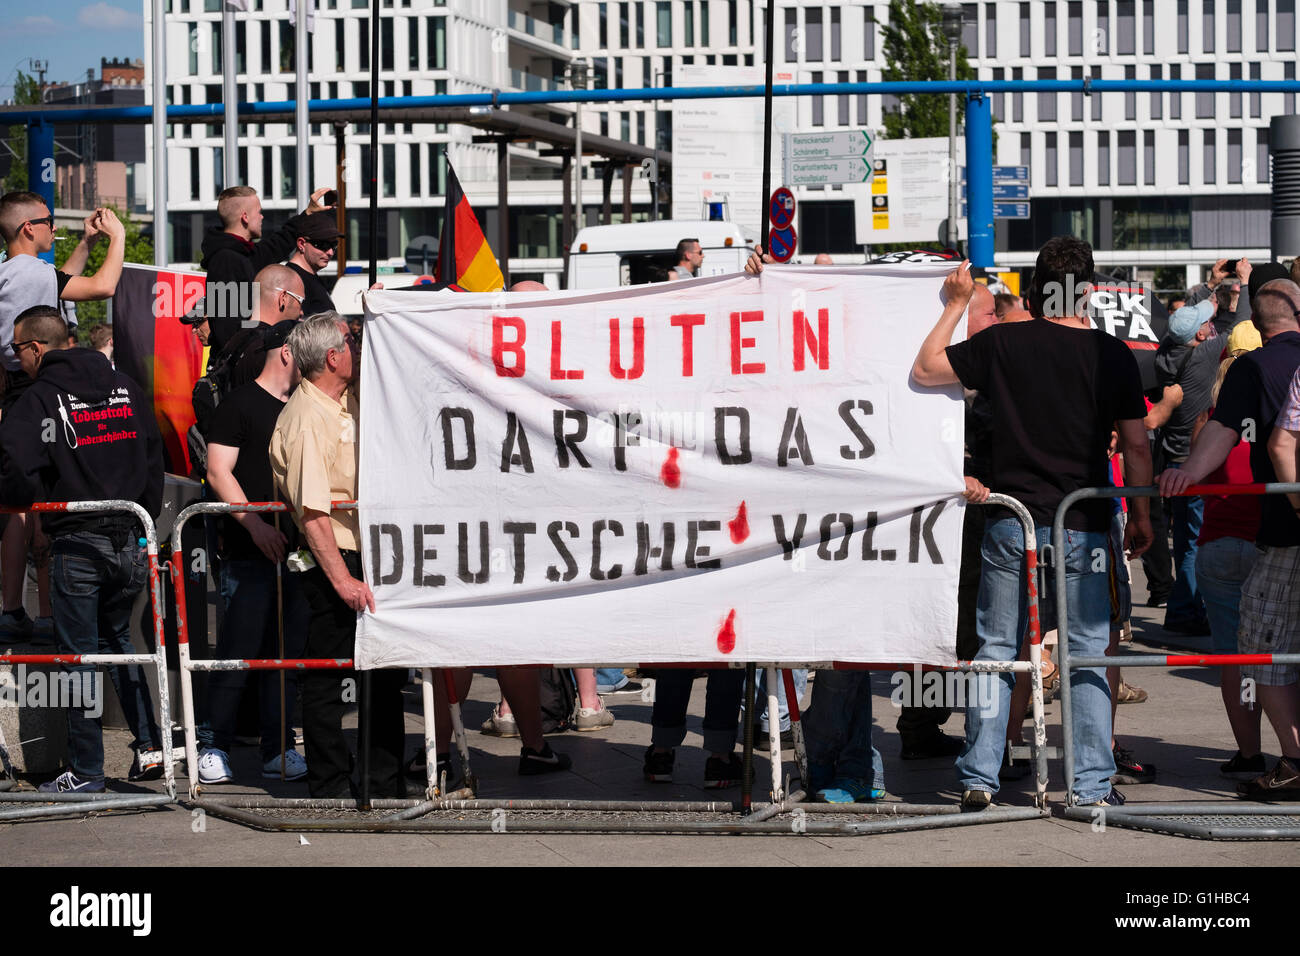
column 295, row 767
column 214, row 767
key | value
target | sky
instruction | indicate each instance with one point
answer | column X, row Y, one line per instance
column 71, row 34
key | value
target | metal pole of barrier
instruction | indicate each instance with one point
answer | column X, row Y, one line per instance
column 1064, row 661
column 747, row 761
column 279, row 579
column 773, row 734
column 363, row 741
column 433, row 787
column 796, row 726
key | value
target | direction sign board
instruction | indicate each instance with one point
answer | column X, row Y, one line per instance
column 1011, row 174
column 1005, row 210
column 781, row 243
column 781, row 208
column 1005, row 191
column 831, row 145
column 818, row 172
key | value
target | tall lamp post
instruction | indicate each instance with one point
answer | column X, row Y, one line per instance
column 578, row 80
column 952, row 19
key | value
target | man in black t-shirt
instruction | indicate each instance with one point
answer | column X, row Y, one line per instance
column 1056, row 385
column 252, row 547
column 317, row 242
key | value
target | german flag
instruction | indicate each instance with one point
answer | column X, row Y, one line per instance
column 464, row 256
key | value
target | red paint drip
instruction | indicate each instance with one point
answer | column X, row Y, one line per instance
column 739, row 525
column 727, row 634
column 671, row 472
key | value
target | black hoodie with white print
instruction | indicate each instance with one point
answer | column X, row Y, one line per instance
column 82, row 431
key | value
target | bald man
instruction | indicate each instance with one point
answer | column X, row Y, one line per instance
column 823, row 260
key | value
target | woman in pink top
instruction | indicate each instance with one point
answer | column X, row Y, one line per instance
column 1225, row 554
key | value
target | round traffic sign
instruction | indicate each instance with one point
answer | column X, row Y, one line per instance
column 781, row 211
column 781, row 243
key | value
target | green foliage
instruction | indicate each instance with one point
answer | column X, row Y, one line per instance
column 916, row 49
column 26, row 93
column 138, row 249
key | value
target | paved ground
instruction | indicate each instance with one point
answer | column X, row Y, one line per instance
column 1181, row 729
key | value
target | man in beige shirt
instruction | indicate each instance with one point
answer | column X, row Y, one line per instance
column 314, row 461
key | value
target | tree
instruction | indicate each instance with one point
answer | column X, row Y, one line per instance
column 916, row 49
column 26, row 93
column 139, row 248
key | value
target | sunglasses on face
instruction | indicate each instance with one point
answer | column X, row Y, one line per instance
column 325, row 245
column 301, row 298
column 18, row 347
column 48, row 220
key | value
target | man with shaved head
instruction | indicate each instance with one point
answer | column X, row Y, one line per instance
column 1252, row 399
column 233, row 255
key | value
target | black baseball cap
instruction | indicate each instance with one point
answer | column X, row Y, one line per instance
column 1266, row 272
column 319, row 227
column 276, row 335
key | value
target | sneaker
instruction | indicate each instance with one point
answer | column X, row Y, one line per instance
column 1281, row 783
column 1128, row 694
column 849, row 790
column 976, row 799
column 500, row 725
column 16, row 623
column 1243, row 768
column 533, row 762
column 295, row 767
column 214, row 767
column 588, row 718
column 938, row 744
column 69, row 782
column 1112, row 799
column 658, row 766
column 1011, row 770
column 627, row 687
column 148, row 765
column 722, row 774
column 1158, row 600
column 1128, row 770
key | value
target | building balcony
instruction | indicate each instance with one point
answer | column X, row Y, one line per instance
column 523, row 80
column 551, row 37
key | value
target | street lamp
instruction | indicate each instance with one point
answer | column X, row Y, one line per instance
column 578, row 80
column 952, row 21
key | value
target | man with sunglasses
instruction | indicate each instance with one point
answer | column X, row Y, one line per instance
column 318, row 239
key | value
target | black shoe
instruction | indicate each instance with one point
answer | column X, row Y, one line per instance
column 533, row 762
column 722, row 774
column 1281, row 783
column 1112, row 799
column 1243, row 768
column 1128, row 770
column 937, row 745
column 658, row 765
column 1011, row 769
column 1158, row 600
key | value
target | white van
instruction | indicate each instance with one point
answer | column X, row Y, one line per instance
column 635, row 253
column 348, row 289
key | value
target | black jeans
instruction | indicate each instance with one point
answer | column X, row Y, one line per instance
column 722, row 694
column 1158, row 562
column 327, row 693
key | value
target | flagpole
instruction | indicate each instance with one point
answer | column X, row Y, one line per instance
column 374, row 141
column 158, row 54
column 302, row 38
column 230, row 99
column 767, row 124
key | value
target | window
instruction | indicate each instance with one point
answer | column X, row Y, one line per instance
column 1157, row 73
column 1285, row 26
column 241, row 44
column 218, row 169
column 386, row 43
column 1254, row 97
column 1234, row 99
column 1127, row 157
column 287, row 42
column 1207, row 26
column 818, row 104
column 990, row 29
column 1207, row 155
column 1234, row 26
column 1096, row 98
column 704, row 23
column 413, row 43
column 1018, row 100
column 1125, row 28
column 868, row 36
column 843, row 102
column 268, row 180
column 1148, row 27
column 625, row 126
column 339, row 44
column 733, row 28
column 1149, row 157
column 194, row 175
column 1103, row 159
column 1234, row 156
column 604, row 24
column 970, row 37
column 288, row 171
column 1050, row 159
column 1026, row 151
column 1046, row 101
column 812, row 34
column 1074, row 28
column 1175, row 99
column 996, row 100
column 1288, row 73
column 1261, row 156
column 1049, row 28
column 1261, row 26
column 664, row 23
column 415, row 169
column 1204, row 101
column 265, row 29
column 389, row 161
column 1182, row 26
column 363, row 44
column 1130, row 98
column 194, row 56
column 1024, row 30
column 437, row 43
column 640, row 128
column 640, row 24
column 791, row 34
column 216, row 53
column 862, row 100
column 835, row 34
column 1076, row 159
column 624, row 27
column 1076, row 98
column 688, row 28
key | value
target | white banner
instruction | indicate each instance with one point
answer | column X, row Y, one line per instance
column 730, row 468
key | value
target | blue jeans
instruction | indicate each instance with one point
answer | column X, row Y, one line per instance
column 609, row 679
column 1002, row 621
column 837, row 729
column 94, row 580
column 1185, row 602
column 249, row 630
column 722, row 694
column 1222, row 566
column 800, row 676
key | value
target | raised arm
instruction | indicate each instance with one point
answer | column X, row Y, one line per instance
column 932, row 366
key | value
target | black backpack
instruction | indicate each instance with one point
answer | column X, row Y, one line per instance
column 225, row 373
column 559, row 697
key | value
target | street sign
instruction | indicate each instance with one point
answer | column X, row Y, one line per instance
column 781, row 208
column 1011, row 174
column 820, row 172
column 1005, row 210
column 781, row 243
column 1005, row 191
column 834, row 145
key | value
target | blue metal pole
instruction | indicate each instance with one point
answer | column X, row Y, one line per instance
column 979, row 180
column 40, row 165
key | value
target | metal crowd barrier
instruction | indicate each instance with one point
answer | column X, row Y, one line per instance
column 1209, row 820
column 412, row 815
column 65, row 804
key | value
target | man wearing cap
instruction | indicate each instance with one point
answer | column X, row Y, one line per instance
column 317, row 242
column 1184, row 359
column 251, row 547
column 1254, row 392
